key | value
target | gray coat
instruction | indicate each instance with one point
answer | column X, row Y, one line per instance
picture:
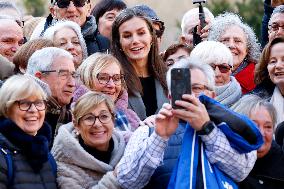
column 77, row 169
column 136, row 103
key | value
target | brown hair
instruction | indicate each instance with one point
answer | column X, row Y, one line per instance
column 172, row 49
column 261, row 72
column 155, row 64
column 22, row 56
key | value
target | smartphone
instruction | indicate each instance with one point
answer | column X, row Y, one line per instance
column 180, row 84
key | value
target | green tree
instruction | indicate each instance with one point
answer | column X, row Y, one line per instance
column 35, row 7
column 250, row 10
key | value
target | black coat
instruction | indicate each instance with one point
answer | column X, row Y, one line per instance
column 268, row 172
column 31, row 166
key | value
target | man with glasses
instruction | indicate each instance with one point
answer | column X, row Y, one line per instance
column 78, row 11
column 150, row 156
column 53, row 68
column 276, row 23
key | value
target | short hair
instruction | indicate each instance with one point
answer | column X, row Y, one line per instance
column 191, row 15
column 172, row 49
column 261, row 72
column 42, row 59
column 89, row 101
column 226, row 20
column 212, row 52
column 251, row 102
column 9, row 5
column 193, row 63
column 106, row 5
column 93, row 65
column 23, row 54
column 52, row 30
column 18, row 87
column 277, row 10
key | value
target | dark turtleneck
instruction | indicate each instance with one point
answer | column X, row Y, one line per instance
column 103, row 156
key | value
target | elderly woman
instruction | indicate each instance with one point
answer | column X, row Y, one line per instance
column 67, row 35
column 134, row 44
column 269, row 76
column 25, row 160
column 229, row 29
column 24, row 53
column 105, row 12
column 268, row 171
column 88, row 150
column 218, row 56
column 103, row 73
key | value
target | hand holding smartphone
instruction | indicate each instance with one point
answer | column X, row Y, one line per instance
column 180, row 84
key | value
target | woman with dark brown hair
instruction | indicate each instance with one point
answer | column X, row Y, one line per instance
column 22, row 56
column 134, row 44
column 269, row 75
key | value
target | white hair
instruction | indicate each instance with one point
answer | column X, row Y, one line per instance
column 42, row 59
column 212, row 52
column 51, row 31
column 191, row 18
column 224, row 21
column 193, row 63
column 278, row 10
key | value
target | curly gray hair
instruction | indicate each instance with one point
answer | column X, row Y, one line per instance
column 226, row 20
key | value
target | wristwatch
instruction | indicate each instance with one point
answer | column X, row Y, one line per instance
column 206, row 128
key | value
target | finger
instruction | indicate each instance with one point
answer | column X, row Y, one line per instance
column 167, row 106
column 160, row 117
column 188, row 106
column 191, row 98
column 166, row 112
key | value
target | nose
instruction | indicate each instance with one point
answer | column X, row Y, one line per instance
column 280, row 32
column 230, row 44
column 217, row 71
column 97, row 123
column 279, row 64
column 135, row 38
column 70, row 46
column 110, row 83
column 32, row 108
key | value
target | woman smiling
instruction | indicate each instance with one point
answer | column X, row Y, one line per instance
column 88, row 150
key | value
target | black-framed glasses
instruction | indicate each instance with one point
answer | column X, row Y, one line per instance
column 25, row 105
column 63, row 74
column 222, row 68
column 65, row 3
column 275, row 27
column 90, row 119
column 104, row 78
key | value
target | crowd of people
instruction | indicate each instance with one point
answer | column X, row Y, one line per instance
column 86, row 99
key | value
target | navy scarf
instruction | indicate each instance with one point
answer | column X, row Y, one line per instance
column 35, row 148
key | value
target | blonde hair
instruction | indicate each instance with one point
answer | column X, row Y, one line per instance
column 18, row 87
column 93, row 65
column 89, row 101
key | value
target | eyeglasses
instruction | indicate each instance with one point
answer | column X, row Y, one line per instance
column 90, row 119
column 63, row 74
column 275, row 27
column 25, row 105
column 104, row 78
column 199, row 88
column 65, row 3
column 222, row 68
